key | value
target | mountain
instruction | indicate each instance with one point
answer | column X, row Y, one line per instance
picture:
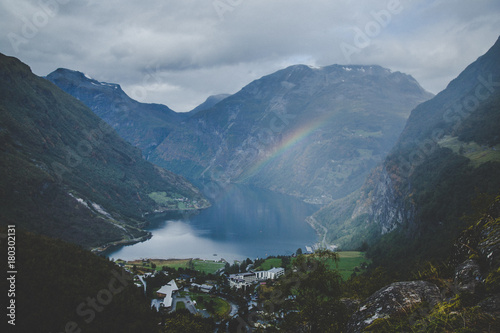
column 309, row 132
column 209, row 102
column 443, row 166
column 67, row 174
column 143, row 125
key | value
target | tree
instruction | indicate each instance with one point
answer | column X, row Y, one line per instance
column 183, row 321
column 313, row 291
column 299, row 251
column 363, row 247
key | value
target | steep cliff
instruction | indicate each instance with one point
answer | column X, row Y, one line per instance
column 448, row 153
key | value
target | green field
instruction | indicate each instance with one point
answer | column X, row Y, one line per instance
column 220, row 307
column 206, row 266
column 473, row 151
column 348, row 261
column 268, row 264
column 180, row 305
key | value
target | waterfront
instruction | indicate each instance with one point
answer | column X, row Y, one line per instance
column 242, row 222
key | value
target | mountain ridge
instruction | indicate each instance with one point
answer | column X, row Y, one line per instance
column 144, row 125
column 67, row 174
column 282, row 118
column 274, row 122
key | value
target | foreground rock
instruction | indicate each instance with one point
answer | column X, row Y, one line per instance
column 468, row 276
column 392, row 299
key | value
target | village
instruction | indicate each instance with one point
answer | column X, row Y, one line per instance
column 208, row 288
column 215, row 288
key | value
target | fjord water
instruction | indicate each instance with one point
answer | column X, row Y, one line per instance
column 242, row 223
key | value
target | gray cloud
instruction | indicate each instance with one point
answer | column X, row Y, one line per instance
column 179, row 52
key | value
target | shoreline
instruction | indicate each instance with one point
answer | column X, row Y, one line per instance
column 99, row 250
column 314, row 224
column 149, row 219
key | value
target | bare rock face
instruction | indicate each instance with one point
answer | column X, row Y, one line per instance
column 392, row 299
column 467, row 276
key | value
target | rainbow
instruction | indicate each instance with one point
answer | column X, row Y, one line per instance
column 290, row 141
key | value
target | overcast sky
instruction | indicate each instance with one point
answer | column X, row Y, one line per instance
column 179, row 52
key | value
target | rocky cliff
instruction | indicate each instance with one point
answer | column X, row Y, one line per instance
column 447, row 154
column 461, row 295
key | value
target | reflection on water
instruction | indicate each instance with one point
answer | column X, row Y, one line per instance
column 243, row 222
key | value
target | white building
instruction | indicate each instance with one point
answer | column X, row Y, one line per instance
column 206, row 288
column 167, row 292
column 271, row 274
column 246, row 279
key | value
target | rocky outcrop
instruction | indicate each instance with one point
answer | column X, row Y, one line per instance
column 397, row 297
column 468, row 276
column 383, row 203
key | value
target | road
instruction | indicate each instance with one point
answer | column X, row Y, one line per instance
column 143, row 282
column 316, row 226
column 234, row 307
column 187, row 301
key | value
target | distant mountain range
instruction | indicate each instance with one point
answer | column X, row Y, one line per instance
column 443, row 167
column 67, row 174
column 314, row 133
column 338, row 135
column 143, row 125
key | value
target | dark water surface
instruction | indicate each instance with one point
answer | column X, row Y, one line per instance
column 242, row 222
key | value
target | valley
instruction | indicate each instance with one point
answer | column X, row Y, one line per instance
column 338, row 198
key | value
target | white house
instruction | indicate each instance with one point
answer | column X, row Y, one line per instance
column 167, row 292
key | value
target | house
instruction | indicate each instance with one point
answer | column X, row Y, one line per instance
column 238, row 283
column 167, row 292
column 206, row 288
column 246, row 279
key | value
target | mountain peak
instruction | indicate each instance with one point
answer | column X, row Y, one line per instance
column 209, row 102
column 142, row 124
column 75, row 77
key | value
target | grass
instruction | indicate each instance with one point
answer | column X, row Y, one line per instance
column 221, row 307
column 180, row 305
column 348, row 262
column 206, row 266
column 476, row 153
column 269, row 263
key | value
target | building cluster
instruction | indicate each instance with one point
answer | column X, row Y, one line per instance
column 241, row 280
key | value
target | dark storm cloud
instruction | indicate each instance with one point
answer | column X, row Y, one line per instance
column 179, row 52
